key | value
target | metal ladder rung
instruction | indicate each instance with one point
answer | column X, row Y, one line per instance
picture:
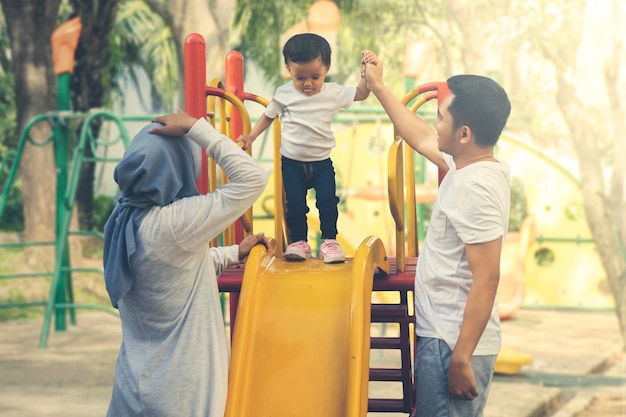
column 386, row 343
column 386, row 374
column 381, row 405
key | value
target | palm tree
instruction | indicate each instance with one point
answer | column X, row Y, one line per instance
column 119, row 39
column 143, row 44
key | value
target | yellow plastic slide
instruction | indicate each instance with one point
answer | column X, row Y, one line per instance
column 301, row 340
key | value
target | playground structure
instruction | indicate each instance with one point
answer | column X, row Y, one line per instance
column 353, row 311
column 560, row 266
column 302, row 333
column 384, row 266
column 60, row 302
column 293, row 320
column 314, row 328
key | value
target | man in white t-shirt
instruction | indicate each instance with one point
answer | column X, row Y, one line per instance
column 306, row 107
column 458, row 269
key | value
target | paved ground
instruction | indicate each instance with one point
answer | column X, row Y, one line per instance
column 577, row 365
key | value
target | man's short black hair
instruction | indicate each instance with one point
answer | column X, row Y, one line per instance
column 480, row 103
column 307, row 47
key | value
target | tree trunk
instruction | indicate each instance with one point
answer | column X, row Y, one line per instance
column 91, row 84
column 617, row 190
column 598, row 208
column 30, row 24
column 604, row 204
column 615, row 93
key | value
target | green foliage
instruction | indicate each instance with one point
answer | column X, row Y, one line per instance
column 141, row 41
column 5, row 55
column 257, row 26
column 102, row 208
column 519, row 209
column 7, row 259
column 12, row 219
column 383, row 26
column 15, row 295
column 65, row 12
column 8, row 123
column 12, row 294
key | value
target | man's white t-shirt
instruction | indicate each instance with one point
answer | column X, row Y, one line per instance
column 306, row 120
column 472, row 206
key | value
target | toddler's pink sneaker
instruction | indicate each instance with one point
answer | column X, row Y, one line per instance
column 298, row 251
column 331, row 252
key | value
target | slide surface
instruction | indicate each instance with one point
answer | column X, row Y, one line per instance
column 301, row 340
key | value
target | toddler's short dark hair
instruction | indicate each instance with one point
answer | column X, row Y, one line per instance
column 307, row 47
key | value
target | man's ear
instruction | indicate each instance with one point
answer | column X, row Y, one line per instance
column 466, row 133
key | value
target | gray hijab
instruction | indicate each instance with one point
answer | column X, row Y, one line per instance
column 155, row 171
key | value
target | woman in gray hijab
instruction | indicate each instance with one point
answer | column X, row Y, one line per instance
column 162, row 276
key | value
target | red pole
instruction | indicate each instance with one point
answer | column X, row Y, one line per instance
column 234, row 84
column 442, row 92
column 195, row 92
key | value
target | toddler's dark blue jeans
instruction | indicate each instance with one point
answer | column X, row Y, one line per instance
column 298, row 177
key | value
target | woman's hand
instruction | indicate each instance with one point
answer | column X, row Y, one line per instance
column 174, row 124
column 249, row 242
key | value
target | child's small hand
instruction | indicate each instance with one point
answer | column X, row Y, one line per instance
column 246, row 140
column 367, row 57
column 373, row 70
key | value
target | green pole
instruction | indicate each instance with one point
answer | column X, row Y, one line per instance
column 60, row 132
column 63, row 41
